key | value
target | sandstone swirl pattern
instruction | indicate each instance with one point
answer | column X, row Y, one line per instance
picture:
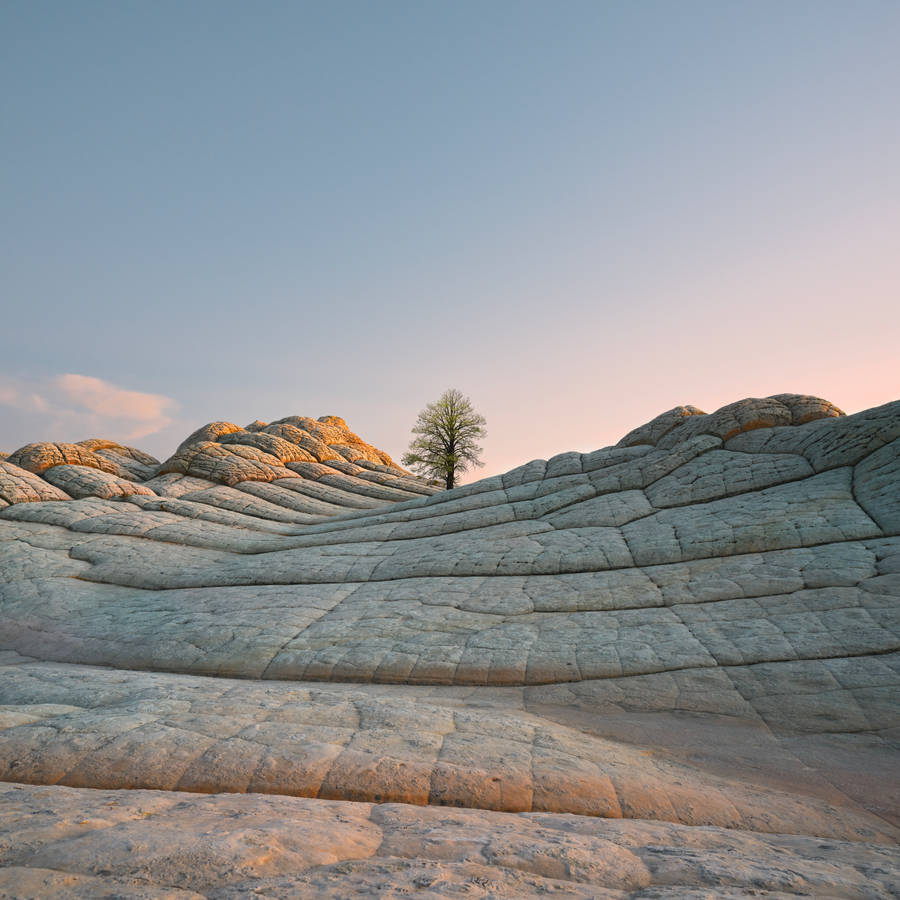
column 664, row 668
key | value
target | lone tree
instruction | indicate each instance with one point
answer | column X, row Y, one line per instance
column 447, row 434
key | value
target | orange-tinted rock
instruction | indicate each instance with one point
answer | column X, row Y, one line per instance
column 41, row 456
column 685, row 422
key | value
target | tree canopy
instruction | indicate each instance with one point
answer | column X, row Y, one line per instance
column 446, row 438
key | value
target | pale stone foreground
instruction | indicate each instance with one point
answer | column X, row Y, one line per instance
column 665, row 668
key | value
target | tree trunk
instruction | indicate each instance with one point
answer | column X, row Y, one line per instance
column 451, row 458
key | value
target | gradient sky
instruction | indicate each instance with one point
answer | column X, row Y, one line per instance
column 579, row 214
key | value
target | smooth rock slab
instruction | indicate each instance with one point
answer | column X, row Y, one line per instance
column 57, row 841
column 87, row 727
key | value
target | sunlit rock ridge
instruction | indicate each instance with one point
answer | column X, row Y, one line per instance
column 667, row 668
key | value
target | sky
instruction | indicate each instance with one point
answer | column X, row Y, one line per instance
column 578, row 213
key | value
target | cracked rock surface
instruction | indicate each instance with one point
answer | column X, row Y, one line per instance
column 278, row 663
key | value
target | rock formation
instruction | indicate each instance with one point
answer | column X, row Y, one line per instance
column 664, row 668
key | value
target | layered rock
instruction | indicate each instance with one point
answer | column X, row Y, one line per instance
column 297, row 470
column 633, row 667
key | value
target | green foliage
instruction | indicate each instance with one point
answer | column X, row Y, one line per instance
column 447, row 434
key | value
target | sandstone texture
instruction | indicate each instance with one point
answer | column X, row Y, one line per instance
column 277, row 663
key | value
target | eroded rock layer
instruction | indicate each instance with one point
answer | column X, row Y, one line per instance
column 695, row 633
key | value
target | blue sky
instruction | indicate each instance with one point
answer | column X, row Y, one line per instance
column 580, row 214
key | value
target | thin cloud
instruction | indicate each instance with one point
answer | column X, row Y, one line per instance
column 71, row 407
column 148, row 412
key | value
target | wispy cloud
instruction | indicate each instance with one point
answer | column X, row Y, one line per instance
column 148, row 412
column 72, row 407
column 19, row 397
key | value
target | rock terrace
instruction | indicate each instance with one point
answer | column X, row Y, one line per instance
column 664, row 668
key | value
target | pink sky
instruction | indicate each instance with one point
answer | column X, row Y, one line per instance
column 578, row 214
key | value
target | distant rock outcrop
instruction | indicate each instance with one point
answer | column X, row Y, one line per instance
column 699, row 626
column 296, row 469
